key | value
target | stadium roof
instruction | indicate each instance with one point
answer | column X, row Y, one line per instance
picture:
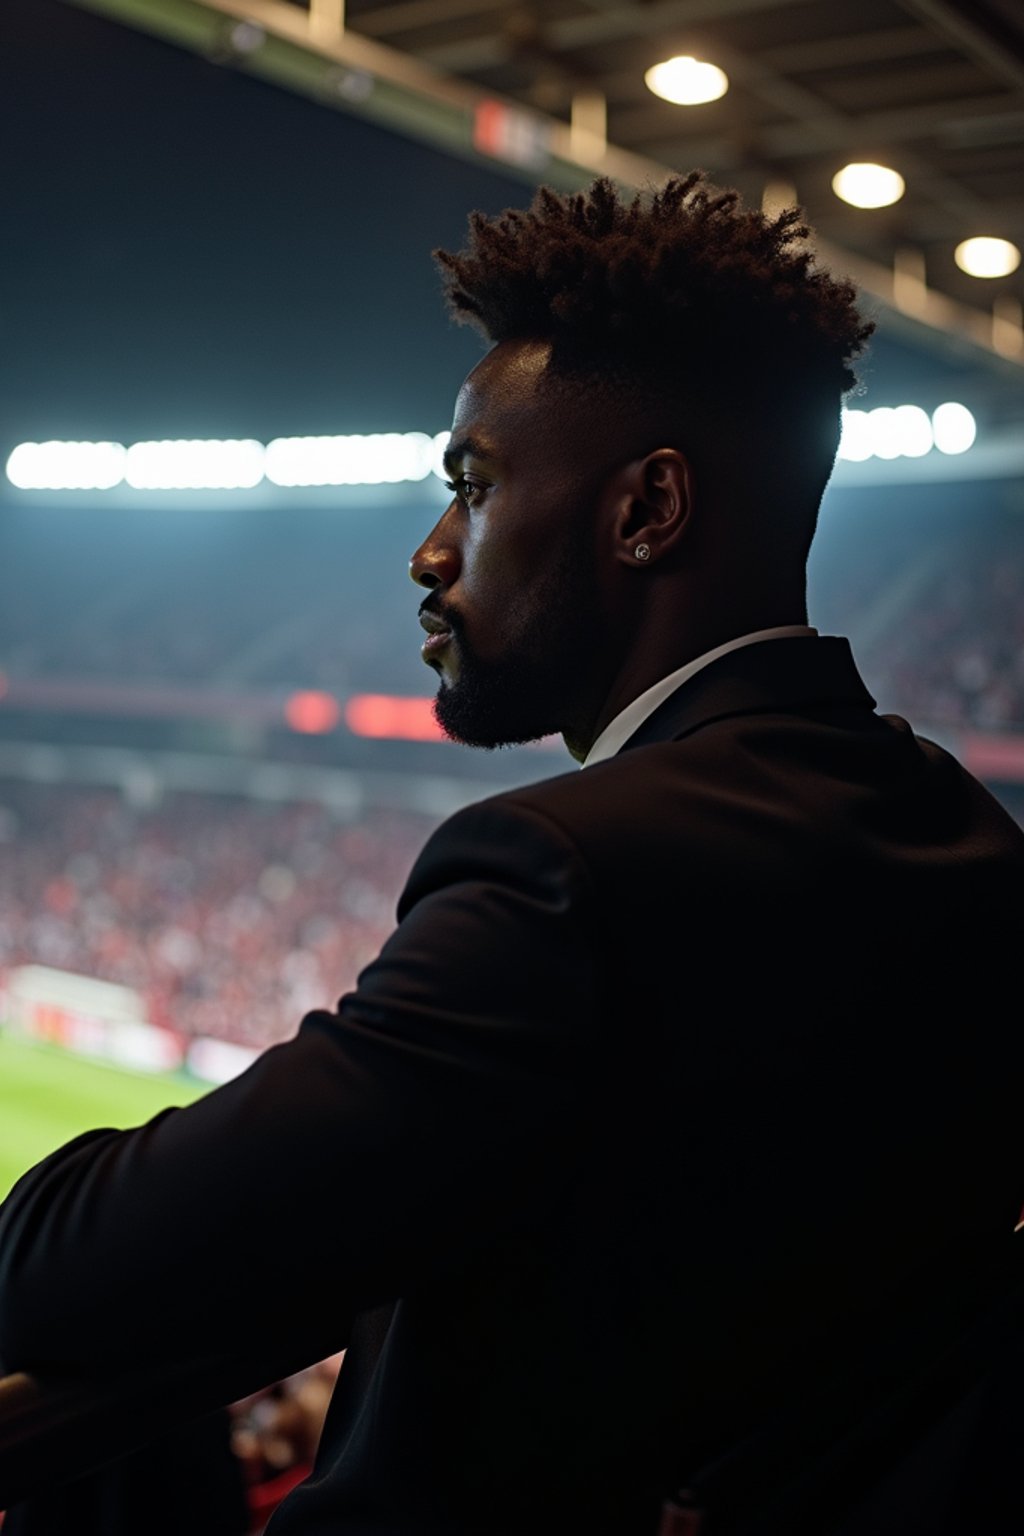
column 934, row 88
column 555, row 90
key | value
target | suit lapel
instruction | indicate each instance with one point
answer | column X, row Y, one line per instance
column 793, row 675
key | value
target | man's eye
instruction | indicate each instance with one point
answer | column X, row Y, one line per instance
column 466, row 490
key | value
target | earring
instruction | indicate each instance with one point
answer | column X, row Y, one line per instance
column 642, row 552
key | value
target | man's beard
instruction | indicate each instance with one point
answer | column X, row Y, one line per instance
column 534, row 689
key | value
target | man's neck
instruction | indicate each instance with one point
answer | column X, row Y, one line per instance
column 644, row 669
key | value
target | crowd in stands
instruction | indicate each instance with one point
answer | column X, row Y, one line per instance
column 275, row 1434
column 193, row 602
column 931, row 594
column 332, row 609
column 958, row 658
column 231, row 917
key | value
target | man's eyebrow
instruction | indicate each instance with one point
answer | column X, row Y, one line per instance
column 465, row 448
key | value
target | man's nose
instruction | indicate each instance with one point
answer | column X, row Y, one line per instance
column 435, row 563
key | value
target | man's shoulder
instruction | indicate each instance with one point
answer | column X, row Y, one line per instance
column 775, row 784
column 616, row 795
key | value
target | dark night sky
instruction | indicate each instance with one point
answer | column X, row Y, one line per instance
column 189, row 251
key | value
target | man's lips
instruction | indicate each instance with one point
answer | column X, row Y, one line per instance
column 438, row 634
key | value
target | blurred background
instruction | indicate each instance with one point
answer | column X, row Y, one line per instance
column 226, row 374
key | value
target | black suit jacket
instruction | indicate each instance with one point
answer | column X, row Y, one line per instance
column 681, row 1094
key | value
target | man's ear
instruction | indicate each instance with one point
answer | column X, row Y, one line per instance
column 653, row 503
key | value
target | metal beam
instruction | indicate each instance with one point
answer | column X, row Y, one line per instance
column 900, row 126
column 997, row 130
column 385, row 20
column 814, row 134
column 852, row 48
column 971, row 36
column 610, row 24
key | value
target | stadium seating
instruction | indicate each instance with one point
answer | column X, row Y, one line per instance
column 232, row 918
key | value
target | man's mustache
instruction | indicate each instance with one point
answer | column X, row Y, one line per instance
column 437, row 610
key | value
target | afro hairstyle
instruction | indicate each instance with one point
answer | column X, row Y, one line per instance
column 684, row 290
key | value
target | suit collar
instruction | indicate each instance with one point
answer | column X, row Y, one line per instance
column 787, row 675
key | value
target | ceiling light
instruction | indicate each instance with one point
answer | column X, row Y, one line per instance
column 687, row 81
column 868, row 186
column 985, row 256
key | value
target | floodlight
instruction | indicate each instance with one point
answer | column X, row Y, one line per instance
column 686, row 81
column 884, row 432
column 855, row 442
column 904, row 432
column 987, row 256
column 195, row 465
column 376, row 459
column 867, row 185
column 954, row 427
column 60, row 466
column 913, row 431
column 441, row 441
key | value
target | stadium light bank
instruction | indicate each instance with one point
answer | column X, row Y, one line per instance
column 228, row 464
column 387, row 458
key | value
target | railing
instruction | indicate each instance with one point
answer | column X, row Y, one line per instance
column 65, row 1448
column 956, row 1343
column 47, row 1424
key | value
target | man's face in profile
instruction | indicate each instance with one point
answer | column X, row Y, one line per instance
column 512, row 607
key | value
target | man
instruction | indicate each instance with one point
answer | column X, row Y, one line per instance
column 672, row 1136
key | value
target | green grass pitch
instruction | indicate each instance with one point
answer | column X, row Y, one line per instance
column 47, row 1096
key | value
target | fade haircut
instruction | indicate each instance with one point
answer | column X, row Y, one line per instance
column 683, row 298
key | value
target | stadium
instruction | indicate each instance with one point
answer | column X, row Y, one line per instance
column 227, row 387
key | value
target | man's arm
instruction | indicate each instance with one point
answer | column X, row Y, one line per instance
column 228, row 1242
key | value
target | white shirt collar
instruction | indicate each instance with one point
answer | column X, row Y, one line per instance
column 618, row 731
